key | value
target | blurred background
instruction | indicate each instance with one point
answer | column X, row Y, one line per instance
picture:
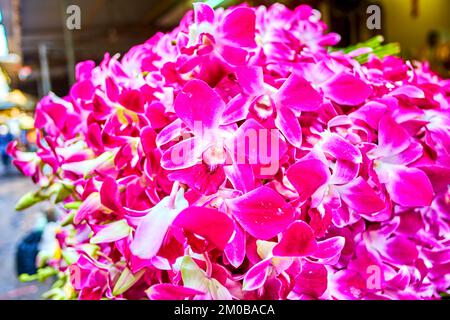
column 38, row 54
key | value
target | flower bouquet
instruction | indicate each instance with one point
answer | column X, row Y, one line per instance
column 242, row 156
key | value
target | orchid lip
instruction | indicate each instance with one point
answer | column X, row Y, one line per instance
column 264, row 107
column 215, row 155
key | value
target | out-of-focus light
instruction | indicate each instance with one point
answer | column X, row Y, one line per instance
column 24, row 72
column 3, row 40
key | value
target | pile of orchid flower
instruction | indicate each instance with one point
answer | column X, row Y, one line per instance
column 240, row 157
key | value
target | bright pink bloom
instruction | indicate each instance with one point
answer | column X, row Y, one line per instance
column 240, row 157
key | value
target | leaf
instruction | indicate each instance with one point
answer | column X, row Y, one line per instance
column 41, row 275
column 70, row 256
column 59, row 190
column 68, row 219
column 193, row 276
column 74, row 205
column 218, row 291
column 90, row 249
column 126, row 280
column 375, row 44
column 63, row 191
column 29, row 199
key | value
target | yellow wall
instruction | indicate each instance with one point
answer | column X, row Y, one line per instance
column 411, row 32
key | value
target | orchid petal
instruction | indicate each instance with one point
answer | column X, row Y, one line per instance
column 346, row 89
column 168, row 291
column 152, row 229
column 239, row 27
column 409, row 187
column 256, row 276
column 199, row 106
column 262, row 212
column 297, row 94
column 297, row 241
column 211, row 224
column 307, row 176
column 289, row 125
column 359, row 196
column 251, row 80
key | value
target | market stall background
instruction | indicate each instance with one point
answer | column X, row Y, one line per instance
column 38, row 54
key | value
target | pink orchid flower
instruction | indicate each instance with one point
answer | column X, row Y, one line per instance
column 239, row 156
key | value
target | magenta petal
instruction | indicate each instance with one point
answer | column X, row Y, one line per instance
column 148, row 139
column 348, row 285
column 169, row 133
column 297, row 241
column 312, row 280
column 409, row 187
column 110, row 195
column 401, row 250
column 289, row 125
column 401, row 280
column 409, row 91
column 413, row 152
column 182, row 155
column 437, row 256
column 200, row 178
column 307, row 176
column 258, row 146
column 234, row 55
column 392, row 137
column 236, row 110
column 168, row 291
column 111, row 89
column 439, row 176
column 359, row 196
column 94, row 136
column 239, row 27
column 330, row 39
column 251, row 80
column 344, row 171
column 199, row 106
column 235, row 250
column 340, row 148
column 152, row 228
column 241, row 177
column 297, row 94
column 155, row 112
column 83, row 90
column 89, row 206
column 329, row 249
column 257, row 275
column 346, row 89
column 203, row 13
column 83, row 70
column 132, row 100
column 211, row 224
column 370, row 113
column 262, row 212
